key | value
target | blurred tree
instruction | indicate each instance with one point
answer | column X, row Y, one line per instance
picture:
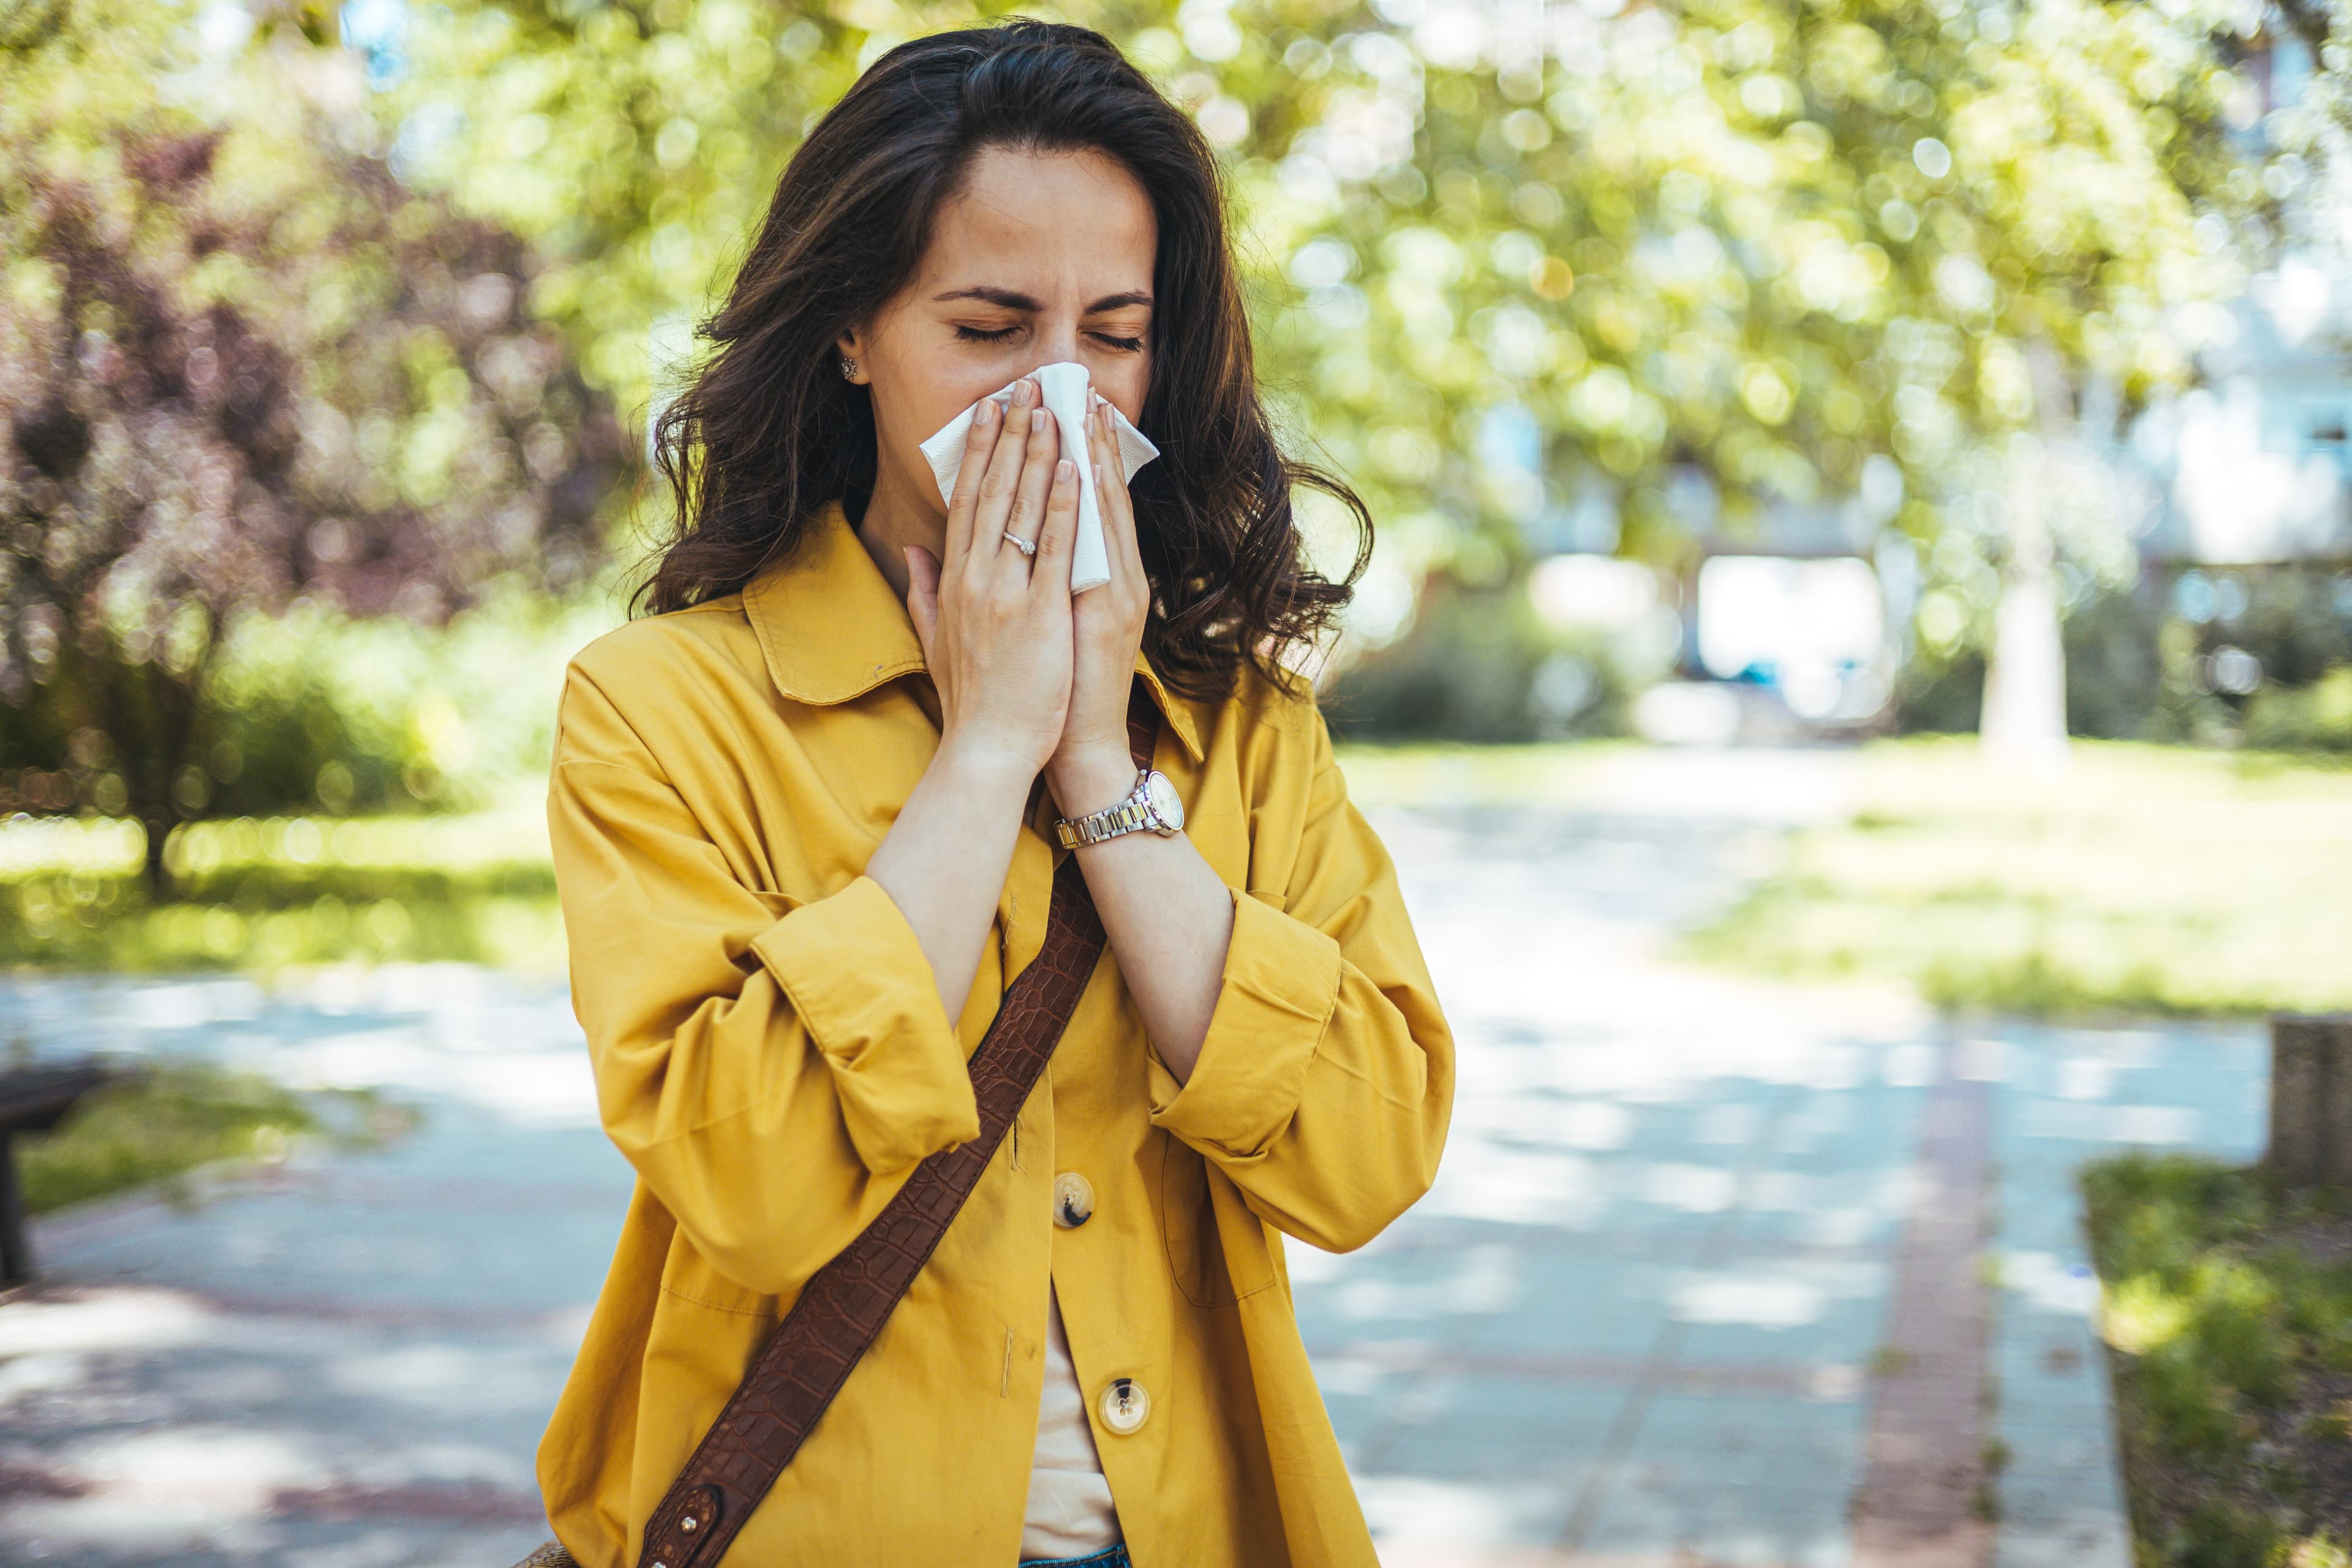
column 1834, row 266
column 2305, row 57
column 1625, row 276
column 635, row 142
column 240, row 368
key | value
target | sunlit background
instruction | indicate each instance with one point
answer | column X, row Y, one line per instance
column 1856, row 672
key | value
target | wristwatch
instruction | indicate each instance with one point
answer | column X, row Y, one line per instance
column 1151, row 804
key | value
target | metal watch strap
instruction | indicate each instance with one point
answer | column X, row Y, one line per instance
column 1131, row 812
column 844, row 1304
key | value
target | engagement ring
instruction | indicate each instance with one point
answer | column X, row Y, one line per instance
column 1020, row 543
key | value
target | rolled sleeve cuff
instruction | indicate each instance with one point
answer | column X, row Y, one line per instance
column 1280, row 987
column 858, row 980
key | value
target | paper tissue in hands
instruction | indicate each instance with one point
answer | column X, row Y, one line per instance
column 1065, row 386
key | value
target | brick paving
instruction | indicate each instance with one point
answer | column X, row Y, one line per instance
column 1925, row 1497
column 1640, row 1319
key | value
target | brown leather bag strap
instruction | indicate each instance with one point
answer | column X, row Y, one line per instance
column 842, row 1307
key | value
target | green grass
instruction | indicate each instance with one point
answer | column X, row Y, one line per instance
column 265, row 894
column 167, row 1123
column 2227, row 1308
column 2145, row 880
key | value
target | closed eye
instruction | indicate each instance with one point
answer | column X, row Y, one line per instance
column 983, row 335
column 1124, row 345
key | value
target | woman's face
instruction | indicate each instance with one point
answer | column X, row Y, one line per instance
column 1039, row 258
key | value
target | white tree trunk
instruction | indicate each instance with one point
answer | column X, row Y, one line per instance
column 2024, row 719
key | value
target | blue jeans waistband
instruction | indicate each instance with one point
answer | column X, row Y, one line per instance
column 1108, row 1557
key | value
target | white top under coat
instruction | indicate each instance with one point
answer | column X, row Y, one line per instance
column 1070, row 1511
column 1066, row 387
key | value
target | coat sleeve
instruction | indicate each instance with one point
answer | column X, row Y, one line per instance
column 773, row 1073
column 1324, row 1086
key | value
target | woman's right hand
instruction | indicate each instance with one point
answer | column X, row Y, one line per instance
column 994, row 622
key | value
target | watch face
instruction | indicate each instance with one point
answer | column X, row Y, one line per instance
column 1165, row 804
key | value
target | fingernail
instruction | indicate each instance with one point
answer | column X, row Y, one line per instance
column 1064, row 471
column 987, row 414
column 1021, row 392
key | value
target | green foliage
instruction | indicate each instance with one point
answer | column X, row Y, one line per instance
column 2224, row 1302
column 2318, row 717
column 2223, row 1535
column 2289, row 625
column 176, row 1118
column 1705, row 263
column 1764, row 240
column 2146, row 880
column 636, row 144
column 262, row 894
column 2114, row 677
column 1730, row 258
column 2114, row 669
column 315, row 709
column 1478, row 665
column 241, row 368
column 318, row 709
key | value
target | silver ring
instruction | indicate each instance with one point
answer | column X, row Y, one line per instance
column 1021, row 544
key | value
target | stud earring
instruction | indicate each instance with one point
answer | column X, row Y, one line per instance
column 848, row 368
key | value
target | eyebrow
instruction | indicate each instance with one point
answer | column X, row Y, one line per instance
column 1012, row 299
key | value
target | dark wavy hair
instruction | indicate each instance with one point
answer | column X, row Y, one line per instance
column 767, row 431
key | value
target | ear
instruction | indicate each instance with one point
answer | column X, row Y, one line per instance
column 852, row 345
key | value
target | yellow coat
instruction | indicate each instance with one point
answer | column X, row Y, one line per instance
column 772, row 1056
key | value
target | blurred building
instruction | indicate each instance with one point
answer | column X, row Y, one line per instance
column 2250, row 466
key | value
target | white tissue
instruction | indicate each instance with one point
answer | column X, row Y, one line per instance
column 1065, row 386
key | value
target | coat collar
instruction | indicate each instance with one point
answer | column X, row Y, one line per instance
column 830, row 627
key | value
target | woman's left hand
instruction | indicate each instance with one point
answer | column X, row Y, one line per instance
column 1091, row 769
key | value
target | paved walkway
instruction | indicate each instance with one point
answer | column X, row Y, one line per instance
column 1700, row 1280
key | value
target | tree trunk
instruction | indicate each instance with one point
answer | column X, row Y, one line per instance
column 150, row 714
column 2025, row 677
column 2025, row 721
column 160, row 883
column 2311, row 1100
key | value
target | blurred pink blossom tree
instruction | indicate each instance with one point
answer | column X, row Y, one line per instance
column 241, row 367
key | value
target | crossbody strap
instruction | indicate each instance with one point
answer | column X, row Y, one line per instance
column 810, row 1356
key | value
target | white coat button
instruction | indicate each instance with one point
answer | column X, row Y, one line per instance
column 1073, row 1200
column 1125, row 1405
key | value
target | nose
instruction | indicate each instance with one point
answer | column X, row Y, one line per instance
column 1057, row 339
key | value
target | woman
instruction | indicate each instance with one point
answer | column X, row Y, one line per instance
column 805, row 827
